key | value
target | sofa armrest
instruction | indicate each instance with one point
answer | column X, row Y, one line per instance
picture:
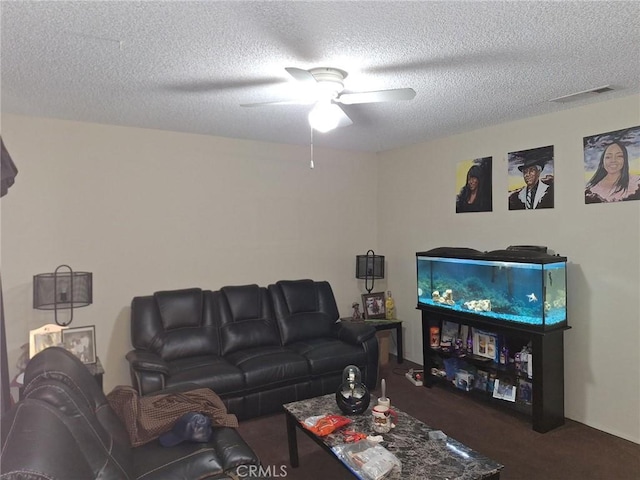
column 147, row 361
column 148, row 371
column 226, row 456
column 354, row 333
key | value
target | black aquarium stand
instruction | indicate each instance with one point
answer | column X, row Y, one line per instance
column 547, row 382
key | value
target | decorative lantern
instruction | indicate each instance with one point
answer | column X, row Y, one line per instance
column 352, row 396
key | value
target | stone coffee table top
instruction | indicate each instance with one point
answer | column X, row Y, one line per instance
column 409, row 441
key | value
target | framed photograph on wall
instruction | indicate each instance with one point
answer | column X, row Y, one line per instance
column 81, row 342
column 373, row 305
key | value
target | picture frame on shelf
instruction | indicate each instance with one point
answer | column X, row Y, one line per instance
column 504, row 391
column 81, row 342
column 463, row 380
column 449, row 334
column 374, row 305
column 464, row 333
column 481, row 381
column 525, row 391
column 49, row 335
column 485, row 345
column 434, row 332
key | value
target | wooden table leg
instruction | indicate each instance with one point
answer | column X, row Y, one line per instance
column 292, row 440
column 400, row 349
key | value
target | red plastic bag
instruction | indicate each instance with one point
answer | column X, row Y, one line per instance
column 327, row 424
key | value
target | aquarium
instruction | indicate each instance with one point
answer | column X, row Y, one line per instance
column 520, row 287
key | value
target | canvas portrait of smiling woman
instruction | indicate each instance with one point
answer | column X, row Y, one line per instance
column 612, row 166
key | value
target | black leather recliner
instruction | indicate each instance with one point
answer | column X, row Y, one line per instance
column 256, row 347
column 64, row 429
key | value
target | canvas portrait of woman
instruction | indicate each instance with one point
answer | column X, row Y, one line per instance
column 612, row 166
column 473, row 180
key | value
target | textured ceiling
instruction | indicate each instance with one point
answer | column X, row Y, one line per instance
column 187, row 66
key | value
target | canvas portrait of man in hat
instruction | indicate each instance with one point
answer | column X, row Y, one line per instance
column 531, row 179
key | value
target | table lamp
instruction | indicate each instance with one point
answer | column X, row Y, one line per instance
column 62, row 290
column 369, row 267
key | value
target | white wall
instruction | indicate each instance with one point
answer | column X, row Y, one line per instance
column 416, row 208
column 147, row 210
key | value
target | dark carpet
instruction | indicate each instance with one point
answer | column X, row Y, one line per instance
column 573, row 451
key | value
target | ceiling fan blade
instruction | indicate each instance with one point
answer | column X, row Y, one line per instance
column 392, row 95
column 299, row 101
column 344, row 120
column 301, row 75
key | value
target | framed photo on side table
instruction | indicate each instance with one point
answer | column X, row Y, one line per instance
column 373, row 305
column 81, row 342
column 46, row 336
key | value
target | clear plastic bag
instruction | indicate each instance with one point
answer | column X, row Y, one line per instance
column 368, row 459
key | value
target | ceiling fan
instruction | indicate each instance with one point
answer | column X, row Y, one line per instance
column 325, row 91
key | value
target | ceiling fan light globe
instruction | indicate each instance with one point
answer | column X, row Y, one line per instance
column 324, row 116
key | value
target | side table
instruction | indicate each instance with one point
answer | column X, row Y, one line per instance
column 97, row 371
column 383, row 324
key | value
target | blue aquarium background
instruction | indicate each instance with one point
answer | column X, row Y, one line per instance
column 527, row 293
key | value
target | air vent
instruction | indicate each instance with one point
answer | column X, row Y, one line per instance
column 582, row 95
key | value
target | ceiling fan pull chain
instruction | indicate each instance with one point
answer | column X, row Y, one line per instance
column 311, row 165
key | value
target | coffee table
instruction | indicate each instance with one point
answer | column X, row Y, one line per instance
column 409, row 441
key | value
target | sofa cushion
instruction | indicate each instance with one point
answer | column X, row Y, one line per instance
column 270, row 366
column 174, row 324
column 209, row 371
column 180, row 308
column 246, row 318
column 304, row 309
column 328, row 355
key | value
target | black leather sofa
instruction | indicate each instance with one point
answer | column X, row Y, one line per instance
column 256, row 347
column 64, row 429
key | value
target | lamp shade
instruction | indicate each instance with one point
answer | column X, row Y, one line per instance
column 369, row 267
column 62, row 289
